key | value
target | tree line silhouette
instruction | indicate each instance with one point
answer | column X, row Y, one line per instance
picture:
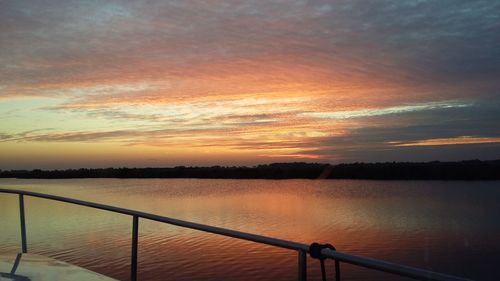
column 462, row 170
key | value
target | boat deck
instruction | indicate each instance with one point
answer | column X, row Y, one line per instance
column 24, row 267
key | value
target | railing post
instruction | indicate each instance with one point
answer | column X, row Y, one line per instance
column 302, row 265
column 133, row 263
column 337, row 270
column 24, row 244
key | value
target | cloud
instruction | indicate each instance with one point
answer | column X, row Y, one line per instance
column 80, row 136
column 394, row 42
column 386, row 111
column 449, row 141
column 331, row 80
column 274, row 134
column 5, row 136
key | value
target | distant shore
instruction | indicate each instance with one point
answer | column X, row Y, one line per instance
column 462, row 170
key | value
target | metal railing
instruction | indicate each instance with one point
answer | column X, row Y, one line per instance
column 301, row 249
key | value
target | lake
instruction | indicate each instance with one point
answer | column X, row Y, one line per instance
column 447, row 226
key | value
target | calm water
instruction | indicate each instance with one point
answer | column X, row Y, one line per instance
column 451, row 227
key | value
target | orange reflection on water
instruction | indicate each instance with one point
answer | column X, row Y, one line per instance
column 406, row 222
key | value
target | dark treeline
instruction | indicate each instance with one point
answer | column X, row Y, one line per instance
column 463, row 170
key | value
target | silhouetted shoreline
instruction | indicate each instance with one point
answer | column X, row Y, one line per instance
column 462, row 170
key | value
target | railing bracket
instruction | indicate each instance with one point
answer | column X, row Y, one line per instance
column 315, row 252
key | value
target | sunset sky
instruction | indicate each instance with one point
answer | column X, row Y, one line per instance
column 166, row 83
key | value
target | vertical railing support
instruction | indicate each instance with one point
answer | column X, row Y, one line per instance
column 302, row 265
column 337, row 270
column 133, row 263
column 24, row 244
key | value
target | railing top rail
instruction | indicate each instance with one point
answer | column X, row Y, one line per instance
column 381, row 265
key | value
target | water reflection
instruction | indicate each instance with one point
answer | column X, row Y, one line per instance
column 442, row 226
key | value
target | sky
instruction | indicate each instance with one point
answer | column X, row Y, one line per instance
column 166, row 83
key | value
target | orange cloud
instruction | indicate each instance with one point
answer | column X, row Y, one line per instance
column 450, row 141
